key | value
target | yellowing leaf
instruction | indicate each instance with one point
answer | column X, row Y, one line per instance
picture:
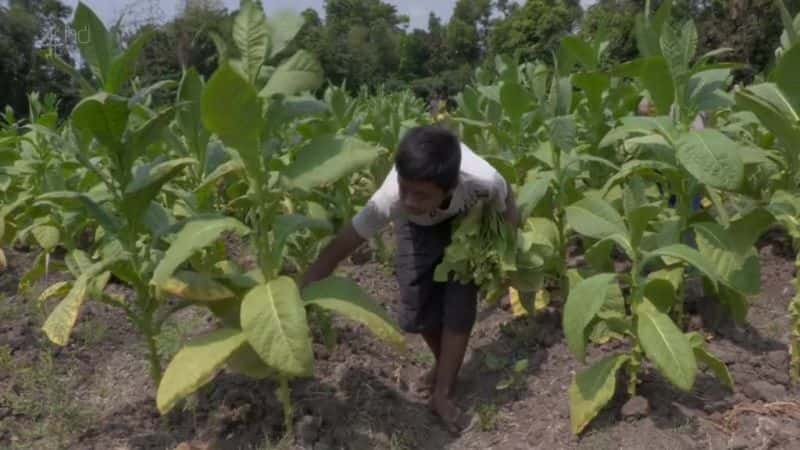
column 592, row 389
column 274, row 320
column 517, row 308
column 59, row 324
column 195, row 365
column 196, row 287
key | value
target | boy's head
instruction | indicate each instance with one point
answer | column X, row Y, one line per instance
column 428, row 163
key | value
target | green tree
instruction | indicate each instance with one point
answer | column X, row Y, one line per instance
column 28, row 31
column 534, row 30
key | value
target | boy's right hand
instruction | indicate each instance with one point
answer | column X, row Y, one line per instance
column 345, row 242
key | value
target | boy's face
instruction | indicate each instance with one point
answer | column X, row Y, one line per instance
column 420, row 197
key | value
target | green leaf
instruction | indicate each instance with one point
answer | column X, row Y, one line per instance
column 711, row 157
column 656, row 78
column 147, row 184
column 595, row 218
column 515, row 100
column 581, row 51
column 326, row 159
column 190, row 118
column 594, row 85
column 301, row 72
column 76, row 199
column 583, row 303
column 738, row 268
column 774, row 111
column 283, row 26
column 788, row 25
column 785, row 75
column 246, row 361
column 196, row 287
column 47, row 236
column 592, row 389
column 638, row 219
column 197, row 233
column 274, row 321
column 347, row 298
column 231, row 109
column 702, row 354
column 688, row 255
column 195, row 365
column 532, row 192
column 105, row 116
column 665, row 345
column 251, row 36
column 122, row 67
column 661, row 292
column 563, row 131
column 93, row 40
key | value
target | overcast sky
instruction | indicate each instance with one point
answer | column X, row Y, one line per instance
column 417, row 10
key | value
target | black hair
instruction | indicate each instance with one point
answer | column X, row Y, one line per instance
column 430, row 153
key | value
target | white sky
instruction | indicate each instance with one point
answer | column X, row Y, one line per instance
column 417, row 10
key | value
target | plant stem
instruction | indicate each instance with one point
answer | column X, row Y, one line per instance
column 633, row 368
column 284, row 395
column 794, row 314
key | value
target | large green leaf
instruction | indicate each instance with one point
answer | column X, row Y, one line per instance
column 189, row 115
column 665, row 345
column 93, row 40
column 688, row 255
column 197, row 233
column 712, row 158
column 532, row 192
column 739, row 268
column 583, row 303
column 283, row 26
column 656, row 78
column 301, row 72
column 232, row 110
column 105, row 116
column 702, row 354
column 147, row 184
column 580, row 51
column 347, row 298
column 274, row 321
column 596, row 218
column 83, row 201
column 251, row 36
column 785, row 75
column 123, row 65
column 774, row 111
column 195, row 365
column 515, row 100
column 328, row 158
column 592, row 389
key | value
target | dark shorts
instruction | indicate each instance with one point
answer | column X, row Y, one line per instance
column 426, row 305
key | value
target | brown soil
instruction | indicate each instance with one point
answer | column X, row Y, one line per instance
column 95, row 393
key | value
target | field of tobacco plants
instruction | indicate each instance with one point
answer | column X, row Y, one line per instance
column 151, row 254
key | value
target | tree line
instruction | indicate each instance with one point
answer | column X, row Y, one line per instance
column 370, row 43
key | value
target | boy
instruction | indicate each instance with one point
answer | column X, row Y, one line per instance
column 435, row 178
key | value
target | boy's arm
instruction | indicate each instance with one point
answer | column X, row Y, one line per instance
column 345, row 242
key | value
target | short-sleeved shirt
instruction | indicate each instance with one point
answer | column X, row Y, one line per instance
column 478, row 180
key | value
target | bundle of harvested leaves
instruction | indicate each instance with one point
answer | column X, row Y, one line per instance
column 487, row 250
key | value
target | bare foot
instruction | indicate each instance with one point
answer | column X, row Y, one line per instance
column 423, row 386
column 453, row 419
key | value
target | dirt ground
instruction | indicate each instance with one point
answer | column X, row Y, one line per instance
column 95, row 393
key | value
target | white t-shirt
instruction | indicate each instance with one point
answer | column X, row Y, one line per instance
column 477, row 181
